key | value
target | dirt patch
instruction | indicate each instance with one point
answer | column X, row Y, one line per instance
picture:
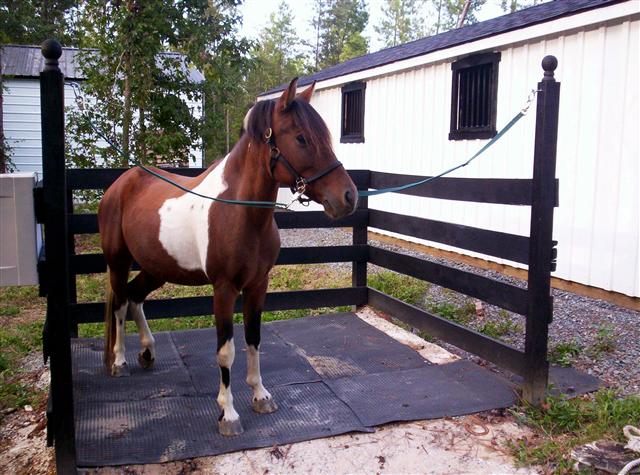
column 23, row 443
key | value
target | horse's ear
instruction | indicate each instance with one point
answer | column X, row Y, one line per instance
column 288, row 95
column 307, row 93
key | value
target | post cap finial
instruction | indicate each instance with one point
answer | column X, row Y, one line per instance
column 549, row 64
column 51, row 50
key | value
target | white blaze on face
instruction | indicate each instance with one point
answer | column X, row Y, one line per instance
column 184, row 221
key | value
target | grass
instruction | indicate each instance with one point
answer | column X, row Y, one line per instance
column 402, row 287
column 565, row 353
column 561, row 424
column 16, row 342
column 605, row 340
column 500, row 328
column 461, row 314
column 21, row 320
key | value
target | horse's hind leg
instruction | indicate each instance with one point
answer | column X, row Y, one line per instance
column 262, row 401
column 224, row 298
column 118, row 275
column 138, row 290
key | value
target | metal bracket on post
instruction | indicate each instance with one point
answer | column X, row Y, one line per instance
column 541, row 244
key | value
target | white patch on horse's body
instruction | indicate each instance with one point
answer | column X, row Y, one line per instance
column 226, row 355
column 184, row 221
column 118, row 347
column 254, row 379
column 146, row 338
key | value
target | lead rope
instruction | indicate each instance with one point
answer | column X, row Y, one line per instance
column 298, row 195
column 497, row 137
column 633, row 436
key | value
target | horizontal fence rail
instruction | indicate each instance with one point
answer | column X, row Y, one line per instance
column 196, row 306
column 95, row 263
column 507, row 191
column 102, row 178
column 88, row 223
column 493, row 243
column 469, row 340
column 497, row 293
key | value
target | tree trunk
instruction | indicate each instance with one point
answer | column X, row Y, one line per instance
column 463, row 15
column 4, row 158
column 127, row 113
column 143, row 139
column 227, row 125
column 439, row 16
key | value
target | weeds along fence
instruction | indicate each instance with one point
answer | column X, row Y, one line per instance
column 61, row 266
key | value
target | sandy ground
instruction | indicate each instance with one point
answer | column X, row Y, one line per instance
column 471, row 444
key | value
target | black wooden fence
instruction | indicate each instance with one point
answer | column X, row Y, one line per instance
column 61, row 266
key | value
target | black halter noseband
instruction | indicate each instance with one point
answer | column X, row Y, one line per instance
column 300, row 183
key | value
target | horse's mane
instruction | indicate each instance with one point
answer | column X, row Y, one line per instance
column 304, row 116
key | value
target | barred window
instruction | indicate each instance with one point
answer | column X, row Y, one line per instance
column 352, row 127
column 474, row 97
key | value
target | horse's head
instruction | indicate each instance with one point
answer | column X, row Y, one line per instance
column 300, row 151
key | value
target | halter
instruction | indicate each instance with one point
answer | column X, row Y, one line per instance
column 300, row 183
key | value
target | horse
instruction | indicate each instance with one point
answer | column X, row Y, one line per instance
column 178, row 237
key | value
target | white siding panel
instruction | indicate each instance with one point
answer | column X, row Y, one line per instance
column 21, row 109
column 597, row 224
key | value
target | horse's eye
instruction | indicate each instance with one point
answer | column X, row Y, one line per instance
column 301, row 140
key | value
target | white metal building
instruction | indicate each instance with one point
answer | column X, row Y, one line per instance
column 407, row 103
column 21, row 66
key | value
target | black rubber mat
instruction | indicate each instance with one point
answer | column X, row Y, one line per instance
column 92, row 383
column 329, row 375
column 174, row 428
column 568, row 381
column 339, row 345
column 437, row 391
column 279, row 362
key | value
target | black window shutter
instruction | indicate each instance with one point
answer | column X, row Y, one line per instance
column 353, row 100
column 474, row 96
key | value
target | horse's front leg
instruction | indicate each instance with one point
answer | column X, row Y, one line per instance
column 224, row 299
column 262, row 401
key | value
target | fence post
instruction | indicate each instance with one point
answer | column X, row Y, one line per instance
column 541, row 252
column 360, row 233
column 57, row 333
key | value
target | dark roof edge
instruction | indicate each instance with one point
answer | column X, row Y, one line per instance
column 305, row 80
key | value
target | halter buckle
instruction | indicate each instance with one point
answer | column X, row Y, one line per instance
column 268, row 134
column 301, row 185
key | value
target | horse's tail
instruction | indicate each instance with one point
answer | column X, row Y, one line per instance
column 109, row 324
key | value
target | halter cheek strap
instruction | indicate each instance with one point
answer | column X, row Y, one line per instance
column 300, row 183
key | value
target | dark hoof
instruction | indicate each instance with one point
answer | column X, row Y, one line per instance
column 230, row 428
column 145, row 360
column 118, row 371
column 264, row 406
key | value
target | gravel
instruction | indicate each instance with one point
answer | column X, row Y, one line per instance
column 604, row 338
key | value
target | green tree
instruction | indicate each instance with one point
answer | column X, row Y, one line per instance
column 511, row 6
column 342, row 38
column 448, row 13
column 277, row 54
column 32, row 22
column 273, row 59
column 139, row 96
column 319, row 25
column 402, row 22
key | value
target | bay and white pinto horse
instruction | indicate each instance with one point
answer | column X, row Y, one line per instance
column 178, row 237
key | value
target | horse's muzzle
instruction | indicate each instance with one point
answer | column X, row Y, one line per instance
column 342, row 205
